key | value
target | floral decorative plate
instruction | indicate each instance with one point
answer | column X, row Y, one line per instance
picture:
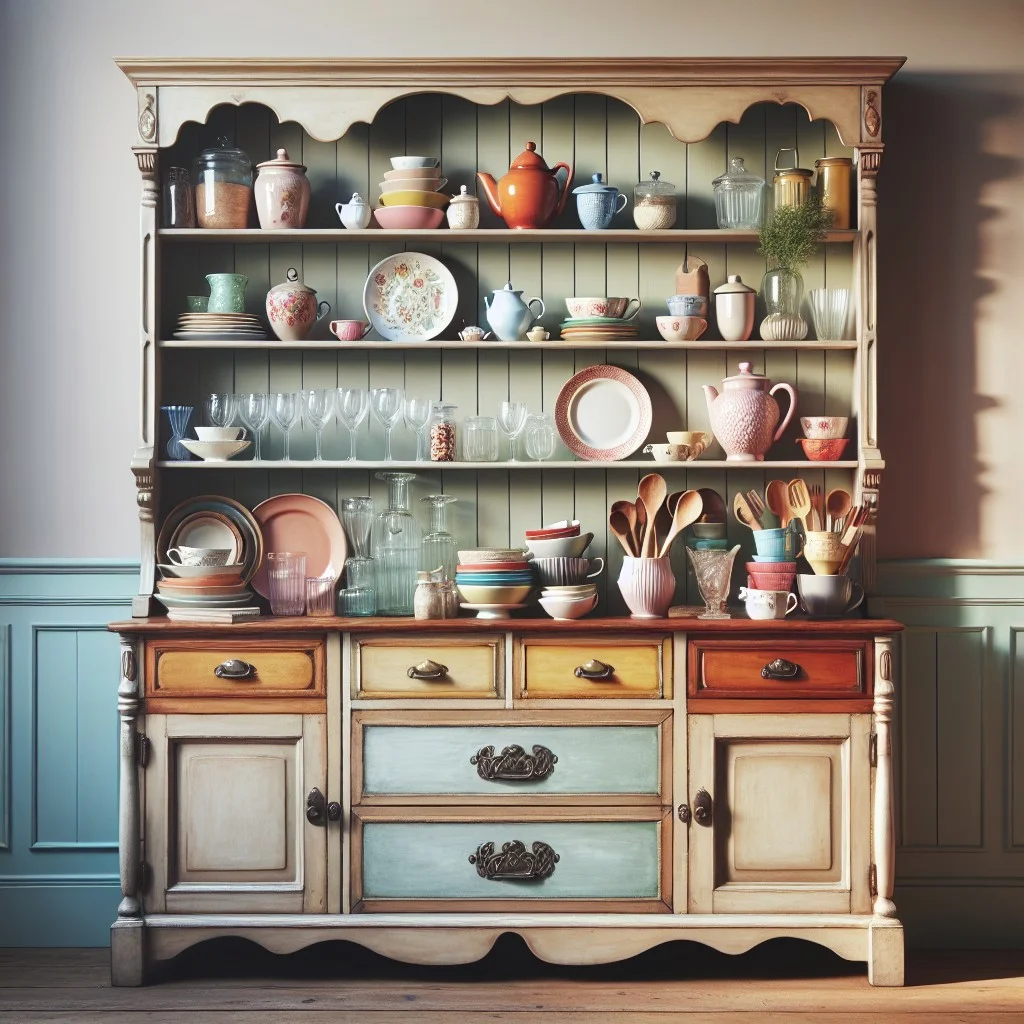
column 410, row 297
column 603, row 413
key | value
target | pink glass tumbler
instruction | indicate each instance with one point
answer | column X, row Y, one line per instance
column 286, row 574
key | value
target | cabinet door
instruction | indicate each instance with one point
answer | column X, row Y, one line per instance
column 789, row 826
column 226, row 826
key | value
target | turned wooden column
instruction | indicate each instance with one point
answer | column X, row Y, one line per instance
column 884, row 823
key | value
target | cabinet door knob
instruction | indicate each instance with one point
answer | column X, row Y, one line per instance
column 433, row 671
column 780, row 669
column 514, row 764
column 702, row 807
column 594, row 669
column 334, row 811
column 514, row 863
column 316, row 808
column 684, row 813
column 235, row 668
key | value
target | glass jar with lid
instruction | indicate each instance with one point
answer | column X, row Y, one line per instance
column 739, row 197
column 654, row 204
column 442, row 432
column 223, row 187
column 792, row 184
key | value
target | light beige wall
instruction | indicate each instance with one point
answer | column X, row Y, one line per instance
column 952, row 232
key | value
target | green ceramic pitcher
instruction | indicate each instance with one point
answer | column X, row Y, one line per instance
column 227, row 293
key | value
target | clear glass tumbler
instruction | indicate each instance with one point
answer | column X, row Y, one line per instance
column 360, row 595
column 320, row 595
column 286, row 582
column 829, row 307
column 480, row 439
column 440, row 549
column 357, row 518
column 539, row 437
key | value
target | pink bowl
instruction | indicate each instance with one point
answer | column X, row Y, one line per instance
column 779, row 576
column 408, row 218
column 823, row 449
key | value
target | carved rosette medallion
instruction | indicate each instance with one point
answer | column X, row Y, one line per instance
column 872, row 113
column 514, row 763
column 885, row 666
column 514, row 863
column 147, row 116
column 129, row 667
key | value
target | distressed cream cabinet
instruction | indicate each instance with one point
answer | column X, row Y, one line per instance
column 685, row 792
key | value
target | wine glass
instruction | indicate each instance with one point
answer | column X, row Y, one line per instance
column 387, row 405
column 417, row 416
column 353, row 404
column 539, row 437
column 317, row 410
column 221, row 409
column 284, row 411
column 512, row 419
column 254, row 410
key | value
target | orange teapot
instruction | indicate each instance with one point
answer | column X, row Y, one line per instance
column 529, row 195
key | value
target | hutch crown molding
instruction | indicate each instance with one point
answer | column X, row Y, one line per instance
column 693, row 788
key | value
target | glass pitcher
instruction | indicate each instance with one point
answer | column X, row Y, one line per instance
column 396, row 539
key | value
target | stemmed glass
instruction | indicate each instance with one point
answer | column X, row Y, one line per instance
column 387, row 405
column 512, row 419
column 221, row 409
column 417, row 416
column 254, row 409
column 353, row 404
column 317, row 410
column 284, row 411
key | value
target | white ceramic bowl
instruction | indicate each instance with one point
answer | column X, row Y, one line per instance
column 220, row 433
column 824, row 428
column 681, row 328
column 562, row 608
column 493, row 595
column 570, row 593
column 567, row 547
column 404, row 163
column 216, row 451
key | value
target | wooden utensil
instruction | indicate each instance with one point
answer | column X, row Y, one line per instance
column 778, row 501
column 640, row 528
column 628, row 509
column 799, row 501
column 743, row 512
column 852, row 538
column 652, row 492
column 714, row 505
column 756, row 503
column 672, row 500
column 817, row 507
column 837, row 507
column 688, row 510
column 619, row 524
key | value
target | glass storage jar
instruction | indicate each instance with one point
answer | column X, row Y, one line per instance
column 654, row 204
column 223, row 187
column 791, row 185
column 396, row 548
column 480, row 439
column 440, row 549
column 739, row 197
column 442, row 432
column 179, row 200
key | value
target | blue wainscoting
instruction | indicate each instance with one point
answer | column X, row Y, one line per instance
column 58, row 749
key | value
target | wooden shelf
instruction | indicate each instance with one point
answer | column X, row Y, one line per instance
column 338, row 235
column 633, row 464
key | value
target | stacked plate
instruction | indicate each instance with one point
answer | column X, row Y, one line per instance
column 493, row 581
column 598, row 329
column 411, row 194
column 217, row 326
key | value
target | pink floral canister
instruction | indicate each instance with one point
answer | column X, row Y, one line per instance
column 292, row 308
column 282, row 193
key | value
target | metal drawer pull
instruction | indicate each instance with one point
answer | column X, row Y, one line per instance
column 780, row 669
column 594, row 669
column 514, row 863
column 319, row 811
column 514, row 764
column 235, row 668
column 432, row 671
column 702, row 807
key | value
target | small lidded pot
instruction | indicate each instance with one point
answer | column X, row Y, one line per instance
column 355, row 214
column 654, row 204
column 292, row 308
column 791, row 185
column 282, row 192
column 734, row 309
column 464, row 211
column 597, row 203
column 223, row 178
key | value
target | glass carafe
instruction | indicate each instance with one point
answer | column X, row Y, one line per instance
column 439, row 546
column 396, row 539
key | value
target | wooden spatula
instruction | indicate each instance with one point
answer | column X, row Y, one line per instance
column 799, row 501
column 743, row 512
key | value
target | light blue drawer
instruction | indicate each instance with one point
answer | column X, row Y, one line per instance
column 431, row 860
column 447, row 760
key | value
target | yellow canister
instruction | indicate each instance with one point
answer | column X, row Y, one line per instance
column 834, row 176
column 791, row 185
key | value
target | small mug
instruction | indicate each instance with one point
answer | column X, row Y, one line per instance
column 777, row 545
column 692, row 440
column 197, row 303
column 824, row 551
column 668, row 452
column 198, row 556
column 828, row 596
column 768, row 604
column 350, row 330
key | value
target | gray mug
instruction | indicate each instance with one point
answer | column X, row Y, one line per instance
column 828, row 597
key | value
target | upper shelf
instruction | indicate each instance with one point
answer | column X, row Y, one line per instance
column 574, row 235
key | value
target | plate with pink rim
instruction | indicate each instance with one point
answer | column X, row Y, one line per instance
column 603, row 413
column 410, row 297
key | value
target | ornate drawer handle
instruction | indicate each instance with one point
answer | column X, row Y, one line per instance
column 430, row 670
column 780, row 669
column 514, row 863
column 702, row 807
column 514, row 764
column 319, row 811
column 235, row 668
column 594, row 669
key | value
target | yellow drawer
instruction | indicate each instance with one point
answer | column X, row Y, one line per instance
column 284, row 667
column 609, row 666
column 398, row 666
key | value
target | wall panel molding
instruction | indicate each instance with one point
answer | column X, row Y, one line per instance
column 5, row 736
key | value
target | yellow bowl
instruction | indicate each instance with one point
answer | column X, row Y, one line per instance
column 407, row 197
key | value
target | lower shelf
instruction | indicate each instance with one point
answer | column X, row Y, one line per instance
column 633, row 464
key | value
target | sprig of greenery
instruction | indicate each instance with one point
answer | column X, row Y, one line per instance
column 790, row 235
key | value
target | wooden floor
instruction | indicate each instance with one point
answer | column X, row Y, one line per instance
column 233, row 981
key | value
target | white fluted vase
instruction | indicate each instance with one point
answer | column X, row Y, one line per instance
column 647, row 586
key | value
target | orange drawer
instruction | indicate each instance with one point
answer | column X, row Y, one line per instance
column 595, row 666
column 282, row 667
column 778, row 668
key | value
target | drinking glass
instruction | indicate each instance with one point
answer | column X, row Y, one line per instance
column 713, row 570
column 284, row 411
column 417, row 416
column 359, row 596
column 254, row 409
column 440, row 549
column 178, row 417
column 480, row 439
column 320, row 595
column 357, row 518
column 512, row 419
column 829, row 306
column 286, row 582
column 352, row 406
column 221, row 409
column 387, row 405
column 317, row 410
column 539, row 437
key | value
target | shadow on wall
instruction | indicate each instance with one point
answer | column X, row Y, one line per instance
column 933, row 274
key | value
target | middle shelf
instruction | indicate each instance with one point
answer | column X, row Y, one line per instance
column 646, row 465
column 811, row 345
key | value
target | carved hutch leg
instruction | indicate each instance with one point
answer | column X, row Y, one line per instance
column 885, row 966
column 127, row 933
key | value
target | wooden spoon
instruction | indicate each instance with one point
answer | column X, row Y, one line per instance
column 618, row 523
column 628, row 509
column 714, row 505
column 799, row 501
column 652, row 492
column 837, row 507
column 672, row 500
column 687, row 511
column 778, row 502
column 743, row 512
column 640, row 529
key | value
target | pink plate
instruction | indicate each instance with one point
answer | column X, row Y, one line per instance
column 603, row 413
column 299, row 522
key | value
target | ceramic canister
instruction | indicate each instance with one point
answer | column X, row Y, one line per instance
column 282, row 193
column 734, row 309
column 292, row 308
column 597, row 203
column 464, row 211
column 647, row 586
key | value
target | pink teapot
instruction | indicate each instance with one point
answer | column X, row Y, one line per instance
column 744, row 415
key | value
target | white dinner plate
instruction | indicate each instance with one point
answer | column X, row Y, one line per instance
column 603, row 413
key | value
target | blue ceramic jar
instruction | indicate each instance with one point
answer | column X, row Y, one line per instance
column 597, row 203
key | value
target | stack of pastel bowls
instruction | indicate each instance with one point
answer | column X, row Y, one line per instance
column 564, row 573
column 410, row 194
column 824, row 439
column 493, row 576
column 774, row 564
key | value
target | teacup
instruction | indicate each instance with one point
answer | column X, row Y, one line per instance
column 777, row 545
column 698, row 440
column 667, row 452
column 350, row 330
column 828, row 596
column 615, row 306
column 566, row 572
column 197, row 303
column 768, row 604
column 537, row 334
column 198, row 556
column 473, row 334
column 823, row 550
column 688, row 305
